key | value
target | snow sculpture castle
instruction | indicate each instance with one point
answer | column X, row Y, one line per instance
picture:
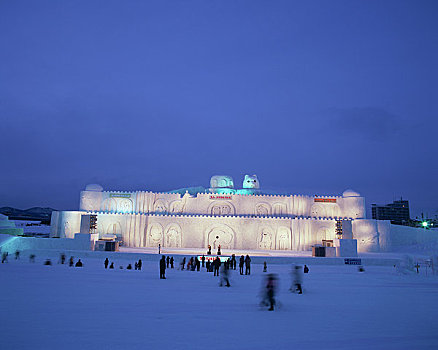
column 244, row 218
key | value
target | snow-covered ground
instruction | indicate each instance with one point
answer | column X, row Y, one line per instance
column 58, row 307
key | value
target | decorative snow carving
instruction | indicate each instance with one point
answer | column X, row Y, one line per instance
column 155, row 235
column 283, row 238
column 124, row 206
column 262, row 209
column 266, row 239
column 222, row 235
column 251, row 181
column 173, row 236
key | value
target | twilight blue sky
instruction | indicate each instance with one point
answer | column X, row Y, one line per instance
column 312, row 96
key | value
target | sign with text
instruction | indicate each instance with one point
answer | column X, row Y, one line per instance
column 353, row 261
column 212, row 257
column 325, row 200
column 120, row 195
column 218, row 196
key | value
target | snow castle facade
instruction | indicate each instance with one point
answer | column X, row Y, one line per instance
column 243, row 218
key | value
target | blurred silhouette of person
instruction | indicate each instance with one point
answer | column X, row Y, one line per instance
column 207, row 265
column 17, row 255
column 106, row 262
column 265, row 267
column 203, row 260
column 32, row 258
column 136, row 266
column 163, row 267
column 159, row 248
column 198, row 264
column 4, row 257
column 167, row 261
column 247, row 265
column 171, row 262
column 297, row 280
column 183, row 263
column 71, row 262
column 111, row 266
column 62, row 259
column 224, row 277
column 209, row 250
column 306, row 269
column 139, row 264
column 79, row 263
column 219, row 250
column 241, row 262
column 129, row 267
column 271, row 288
column 48, row 262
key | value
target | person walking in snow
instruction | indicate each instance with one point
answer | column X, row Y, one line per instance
column 167, row 261
column 139, row 264
column 224, row 276
column 247, row 265
column 271, row 290
column 297, row 280
column 106, row 262
column 171, row 262
column 163, row 267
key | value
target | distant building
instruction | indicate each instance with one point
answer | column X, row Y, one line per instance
column 397, row 212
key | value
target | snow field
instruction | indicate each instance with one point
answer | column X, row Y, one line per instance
column 58, row 307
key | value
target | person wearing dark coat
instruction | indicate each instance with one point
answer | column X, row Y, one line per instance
column 163, row 267
column 207, row 265
column 106, row 263
column 203, row 260
column 306, row 269
column 111, row 265
column 139, row 264
column 167, row 261
column 265, row 267
column 197, row 264
column 217, row 265
column 241, row 262
column 171, row 262
column 79, row 263
column 71, row 262
column 233, row 262
column 247, row 265
column 129, row 267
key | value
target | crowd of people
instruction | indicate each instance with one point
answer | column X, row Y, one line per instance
column 219, row 266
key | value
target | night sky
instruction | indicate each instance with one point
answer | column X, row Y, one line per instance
column 312, row 96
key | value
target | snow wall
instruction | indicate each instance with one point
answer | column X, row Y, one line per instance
column 381, row 236
column 11, row 244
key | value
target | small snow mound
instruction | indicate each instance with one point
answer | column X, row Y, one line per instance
column 350, row 193
column 94, row 187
